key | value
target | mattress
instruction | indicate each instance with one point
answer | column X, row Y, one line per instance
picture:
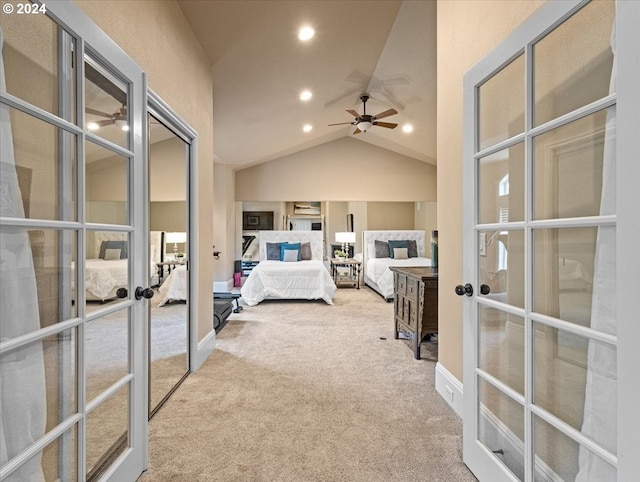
column 378, row 272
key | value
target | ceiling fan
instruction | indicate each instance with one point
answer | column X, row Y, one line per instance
column 364, row 122
column 118, row 118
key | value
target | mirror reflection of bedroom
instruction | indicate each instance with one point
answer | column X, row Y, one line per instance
column 107, row 263
column 168, row 248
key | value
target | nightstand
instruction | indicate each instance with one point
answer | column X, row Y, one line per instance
column 353, row 276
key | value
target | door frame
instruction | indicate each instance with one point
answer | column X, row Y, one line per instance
column 627, row 99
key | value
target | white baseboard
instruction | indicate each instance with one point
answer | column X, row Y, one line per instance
column 222, row 286
column 206, row 346
column 449, row 388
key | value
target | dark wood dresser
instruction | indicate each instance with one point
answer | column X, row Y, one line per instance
column 415, row 303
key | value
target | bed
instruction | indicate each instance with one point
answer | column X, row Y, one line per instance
column 376, row 261
column 174, row 288
column 108, row 272
column 302, row 275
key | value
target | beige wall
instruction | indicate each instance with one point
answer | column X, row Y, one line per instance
column 342, row 170
column 156, row 35
column 467, row 31
column 224, row 223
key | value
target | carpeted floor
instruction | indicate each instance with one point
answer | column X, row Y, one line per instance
column 304, row 391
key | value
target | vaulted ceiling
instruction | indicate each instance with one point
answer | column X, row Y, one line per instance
column 385, row 48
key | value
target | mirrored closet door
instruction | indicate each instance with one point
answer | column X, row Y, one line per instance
column 169, row 261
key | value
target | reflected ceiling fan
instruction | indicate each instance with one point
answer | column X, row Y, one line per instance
column 364, row 122
column 118, row 118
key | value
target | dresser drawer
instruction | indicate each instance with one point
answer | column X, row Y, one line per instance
column 412, row 289
column 401, row 284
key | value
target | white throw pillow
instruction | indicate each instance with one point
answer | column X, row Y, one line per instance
column 111, row 254
column 290, row 255
column 401, row 253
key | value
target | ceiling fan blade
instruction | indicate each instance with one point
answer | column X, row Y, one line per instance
column 91, row 111
column 341, row 124
column 388, row 125
column 104, row 123
column 386, row 113
column 353, row 112
column 357, row 131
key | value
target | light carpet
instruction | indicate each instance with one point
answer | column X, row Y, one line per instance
column 305, row 391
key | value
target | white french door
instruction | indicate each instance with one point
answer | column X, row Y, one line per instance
column 74, row 250
column 545, row 396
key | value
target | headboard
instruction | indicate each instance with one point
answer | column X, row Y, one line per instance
column 369, row 237
column 100, row 236
column 313, row 237
column 156, row 243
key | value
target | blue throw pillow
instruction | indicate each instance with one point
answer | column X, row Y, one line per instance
column 289, row 246
column 397, row 244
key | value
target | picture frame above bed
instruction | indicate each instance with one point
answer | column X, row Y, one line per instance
column 257, row 220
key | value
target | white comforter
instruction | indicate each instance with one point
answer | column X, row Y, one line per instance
column 174, row 287
column 102, row 277
column 308, row 280
column 377, row 270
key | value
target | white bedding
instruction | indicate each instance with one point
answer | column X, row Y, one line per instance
column 308, row 280
column 377, row 274
column 174, row 287
column 104, row 277
column 378, row 271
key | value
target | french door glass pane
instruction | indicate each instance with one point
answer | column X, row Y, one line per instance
column 31, row 59
column 500, row 418
column 568, row 168
column 38, row 386
column 501, row 346
column 563, row 271
column 107, row 186
column 45, row 166
column 501, row 186
column 107, row 431
column 59, row 458
column 501, row 105
column 501, row 265
column 564, row 363
column 37, row 281
column 106, row 104
column 559, row 457
column 106, row 268
column 106, row 351
column 572, row 64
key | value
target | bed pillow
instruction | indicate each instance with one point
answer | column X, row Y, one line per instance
column 289, row 246
column 305, row 252
column 273, row 251
column 400, row 253
column 121, row 245
column 413, row 249
column 382, row 249
column 398, row 244
column 290, row 255
column 110, row 254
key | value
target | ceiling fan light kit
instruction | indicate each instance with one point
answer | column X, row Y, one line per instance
column 364, row 122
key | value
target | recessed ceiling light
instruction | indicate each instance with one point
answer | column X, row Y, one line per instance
column 306, row 33
column 307, row 128
column 93, row 126
column 306, row 95
column 125, row 127
column 407, row 128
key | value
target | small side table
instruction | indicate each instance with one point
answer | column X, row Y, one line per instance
column 354, row 271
